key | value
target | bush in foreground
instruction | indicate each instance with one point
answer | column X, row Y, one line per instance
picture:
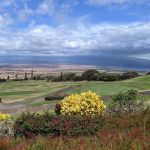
column 6, row 125
column 126, row 102
column 128, row 132
column 29, row 125
column 86, row 103
column 4, row 116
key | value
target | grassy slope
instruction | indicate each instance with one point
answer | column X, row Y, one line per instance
column 19, row 90
column 111, row 88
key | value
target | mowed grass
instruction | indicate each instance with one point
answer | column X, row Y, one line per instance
column 111, row 88
column 21, row 90
column 43, row 103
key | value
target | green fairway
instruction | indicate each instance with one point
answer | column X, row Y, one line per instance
column 21, row 90
column 43, row 103
column 111, row 88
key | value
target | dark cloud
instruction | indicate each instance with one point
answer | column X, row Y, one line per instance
column 102, row 61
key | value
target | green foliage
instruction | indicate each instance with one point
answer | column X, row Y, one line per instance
column 3, row 80
column 94, row 75
column 38, row 77
column 55, row 97
column 64, row 77
column 128, row 131
column 30, row 125
column 6, row 128
column 109, row 77
column 90, row 75
column 129, row 75
column 126, row 102
column 58, row 109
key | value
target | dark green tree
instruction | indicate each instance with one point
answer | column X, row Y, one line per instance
column 90, row 75
column 32, row 74
column 25, row 76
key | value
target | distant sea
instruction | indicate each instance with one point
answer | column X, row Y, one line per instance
column 101, row 61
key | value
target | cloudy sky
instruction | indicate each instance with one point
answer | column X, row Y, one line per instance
column 75, row 27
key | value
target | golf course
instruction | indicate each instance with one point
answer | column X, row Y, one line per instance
column 29, row 95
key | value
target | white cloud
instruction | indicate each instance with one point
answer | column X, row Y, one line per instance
column 46, row 7
column 118, row 2
column 144, row 56
column 54, row 8
column 81, row 39
column 5, row 20
column 24, row 13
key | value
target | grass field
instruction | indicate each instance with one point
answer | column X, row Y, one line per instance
column 21, row 90
column 111, row 88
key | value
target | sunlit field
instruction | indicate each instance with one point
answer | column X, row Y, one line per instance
column 23, row 90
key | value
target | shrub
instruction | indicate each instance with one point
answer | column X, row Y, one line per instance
column 148, row 73
column 126, row 102
column 58, row 109
column 6, row 125
column 55, row 97
column 38, row 77
column 109, row 77
column 68, row 76
column 6, row 128
column 77, row 78
column 4, row 116
column 64, row 77
column 128, row 75
column 3, row 80
column 30, row 125
column 86, row 103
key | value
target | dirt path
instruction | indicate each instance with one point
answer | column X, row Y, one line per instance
column 145, row 92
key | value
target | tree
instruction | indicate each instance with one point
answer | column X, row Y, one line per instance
column 31, row 74
column 90, row 75
column 8, row 78
column 148, row 73
column 128, row 75
column 16, row 77
column 25, row 76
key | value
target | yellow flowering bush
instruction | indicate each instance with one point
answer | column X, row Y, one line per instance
column 86, row 103
column 4, row 116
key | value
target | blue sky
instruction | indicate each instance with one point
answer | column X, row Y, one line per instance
column 75, row 27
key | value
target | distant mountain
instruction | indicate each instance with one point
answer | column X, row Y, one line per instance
column 102, row 61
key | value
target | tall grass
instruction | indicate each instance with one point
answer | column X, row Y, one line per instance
column 122, row 132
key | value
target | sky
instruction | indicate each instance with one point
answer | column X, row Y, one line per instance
column 117, row 28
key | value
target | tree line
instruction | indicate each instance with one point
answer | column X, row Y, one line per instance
column 94, row 75
column 89, row 75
